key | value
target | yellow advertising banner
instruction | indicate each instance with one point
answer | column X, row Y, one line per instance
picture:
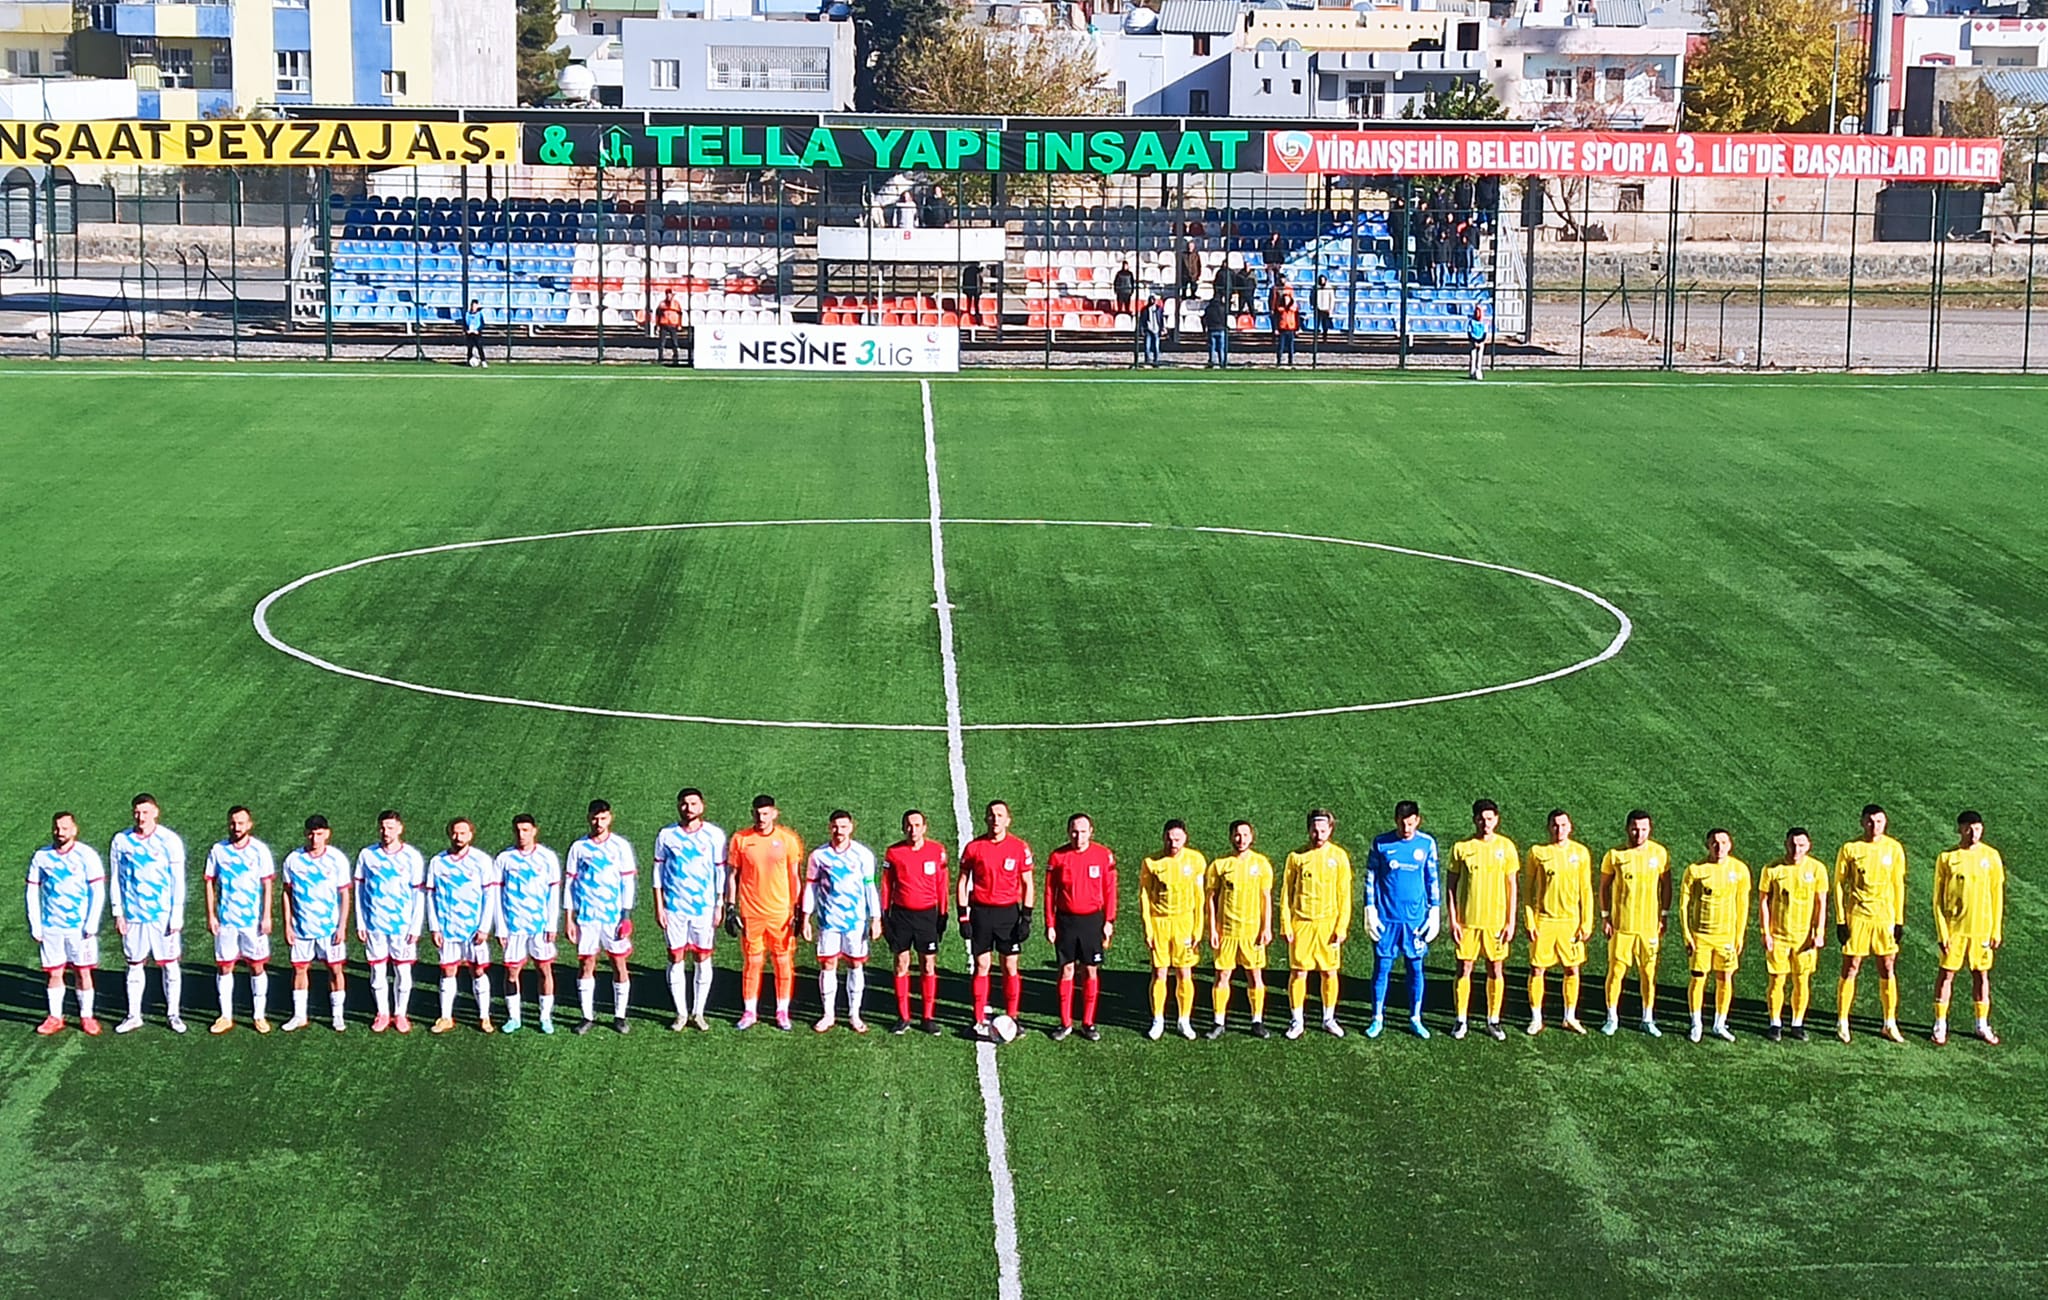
column 259, row 143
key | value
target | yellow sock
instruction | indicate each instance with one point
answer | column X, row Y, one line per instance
column 1496, row 993
column 1802, row 995
column 1186, row 1000
column 1219, row 996
column 1535, row 992
column 1775, row 995
column 1258, row 996
column 1329, row 993
column 1845, row 997
column 1888, row 996
column 1724, row 995
column 1616, row 976
column 1461, row 993
column 1941, row 1008
column 1571, row 996
column 1983, row 1006
column 1158, row 995
column 1297, row 990
column 1696, row 994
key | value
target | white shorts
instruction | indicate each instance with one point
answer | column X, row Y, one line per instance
column 63, row 948
column 464, row 952
column 230, row 946
column 851, row 945
column 690, row 934
column 521, row 948
column 391, row 947
column 589, row 938
column 155, row 941
column 307, row 951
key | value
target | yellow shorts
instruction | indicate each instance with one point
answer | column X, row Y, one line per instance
column 1787, row 958
column 1713, row 957
column 1233, row 953
column 1556, row 943
column 1869, row 939
column 1306, row 953
column 1967, row 950
column 1633, row 950
column 1174, row 950
column 1479, row 944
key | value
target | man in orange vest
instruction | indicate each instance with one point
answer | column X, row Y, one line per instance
column 764, row 889
column 1286, row 324
column 668, row 327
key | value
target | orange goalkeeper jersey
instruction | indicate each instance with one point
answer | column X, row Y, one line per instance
column 769, row 871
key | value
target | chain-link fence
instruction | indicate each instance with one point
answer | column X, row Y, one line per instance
column 590, row 263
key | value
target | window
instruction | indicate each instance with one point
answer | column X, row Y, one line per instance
column 101, row 17
column 664, row 74
column 291, row 72
column 223, row 64
column 1265, row 85
column 1202, row 46
column 24, row 63
column 1198, row 103
column 1629, row 198
column 1613, row 83
column 1585, row 85
column 289, row 4
column 394, row 11
column 394, row 85
column 770, row 67
column 60, row 61
column 1557, row 83
column 1297, row 85
column 1366, row 98
column 597, row 27
column 174, row 69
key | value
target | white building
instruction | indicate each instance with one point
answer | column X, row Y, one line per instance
column 1589, row 63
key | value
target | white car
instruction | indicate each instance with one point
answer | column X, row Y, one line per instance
column 15, row 253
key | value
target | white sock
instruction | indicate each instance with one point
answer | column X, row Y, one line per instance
column 259, row 994
column 174, row 988
column 337, row 1001
column 481, row 986
column 448, row 996
column 404, row 990
column 85, row 1004
column 299, row 1003
column 224, row 990
column 703, row 989
column 55, row 993
column 856, row 989
column 828, row 988
column 380, row 988
column 136, row 975
column 679, row 987
column 547, row 1006
column 586, row 990
column 782, row 1006
column 620, row 988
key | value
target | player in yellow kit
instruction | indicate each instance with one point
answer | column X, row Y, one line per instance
column 1969, row 920
column 1870, row 918
column 1240, row 914
column 1315, row 915
column 1713, row 910
column 1482, row 893
column 1792, row 911
column 1635, row 906
column 1557, row 911
column 1171, row 888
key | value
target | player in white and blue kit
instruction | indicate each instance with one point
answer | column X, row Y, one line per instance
column 1403, row 909
column 67, row 889
column 240, row 881
column 146, row 869
column 689, row 902
column 462, row 906
column 316, row 894
column 391, row 905
column 601, row 875
column 529, row 910
column 843, row 911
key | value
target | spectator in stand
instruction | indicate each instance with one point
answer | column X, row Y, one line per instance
column 1247, row 282
column 906, row 211
column 473, row 335
column 1274, row 251
column 1446, row 251
column 1216, row 321
column 970, row 291
column 668, row 330
column 1286, row 324
column 1325, row 303
column 937, row 213
column 1125, row 286
column 1190, row 268
column 1151, row 329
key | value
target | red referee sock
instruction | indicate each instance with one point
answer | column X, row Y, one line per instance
column 1089, row 995
column 903, row 996
column 931, row 995
column 1066, row 1001
column 1013, row 993
column 980, row 999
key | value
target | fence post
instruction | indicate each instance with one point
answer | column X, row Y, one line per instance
column 1934, row 277
column 1763, row 273
column 1671, row 278
column 1045, row 290
column 463, row 263
column 235, row 267
column 418, row 327
column 1585, row 264
column 2033, row 234
column 50, row 256
column 648, row 189
column 323, row 242
column 1849, row 325
column 142, row 259
column 505, row 255
column 1407, row 199
column 600, row 264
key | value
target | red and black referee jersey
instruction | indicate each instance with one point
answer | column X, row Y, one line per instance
column 914, row 879
column 996, row 870
column 1082, row 882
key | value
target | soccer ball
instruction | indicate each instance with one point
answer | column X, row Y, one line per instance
column 1004, row 1027
column 474, row 362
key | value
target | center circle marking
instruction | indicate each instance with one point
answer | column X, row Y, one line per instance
column 1624, row 628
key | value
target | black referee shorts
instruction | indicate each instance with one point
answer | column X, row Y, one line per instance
column 1077, row 938
column 995, row 929
column 908, row 930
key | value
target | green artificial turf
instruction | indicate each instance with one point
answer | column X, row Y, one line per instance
column 1836, row 593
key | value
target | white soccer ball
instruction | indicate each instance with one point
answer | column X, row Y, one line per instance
column 1005, row 1028
column 474, row 362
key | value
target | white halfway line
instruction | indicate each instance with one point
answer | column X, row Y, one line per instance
column 1009, row 1281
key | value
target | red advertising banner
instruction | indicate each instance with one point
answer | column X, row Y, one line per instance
column 1630, row 154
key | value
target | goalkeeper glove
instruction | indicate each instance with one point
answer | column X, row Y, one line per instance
column 1372, row 923
column 732, row 921
column 1842, row 933
column 1432, row 924
column 1023, row 927
column 964, row 931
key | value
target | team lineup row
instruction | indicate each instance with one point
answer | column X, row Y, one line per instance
column 762, row 888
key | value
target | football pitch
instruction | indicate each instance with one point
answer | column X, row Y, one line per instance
column 1735, row 601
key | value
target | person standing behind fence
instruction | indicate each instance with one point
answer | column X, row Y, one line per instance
column 1151, row 328
column 1216, row 320
column 1125, row 287
column 473, row 335
column 668, row 330
column 1325, row 304
column 1286, row 324
column 1476, row 330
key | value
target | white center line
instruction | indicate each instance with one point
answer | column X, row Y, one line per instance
column 1009, row 1284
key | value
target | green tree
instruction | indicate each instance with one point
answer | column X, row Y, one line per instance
column 538, row 65
column 1464, row 102
column 1767, row 65
column 968, row 68
column 884, row 33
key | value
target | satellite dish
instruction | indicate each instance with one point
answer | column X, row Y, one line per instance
column 1850, row 125
column 1141, row 19
column 576, row 82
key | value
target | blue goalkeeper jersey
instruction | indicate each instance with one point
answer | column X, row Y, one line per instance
column 1403, row 878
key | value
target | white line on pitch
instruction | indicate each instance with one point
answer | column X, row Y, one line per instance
column 1009, row 1282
